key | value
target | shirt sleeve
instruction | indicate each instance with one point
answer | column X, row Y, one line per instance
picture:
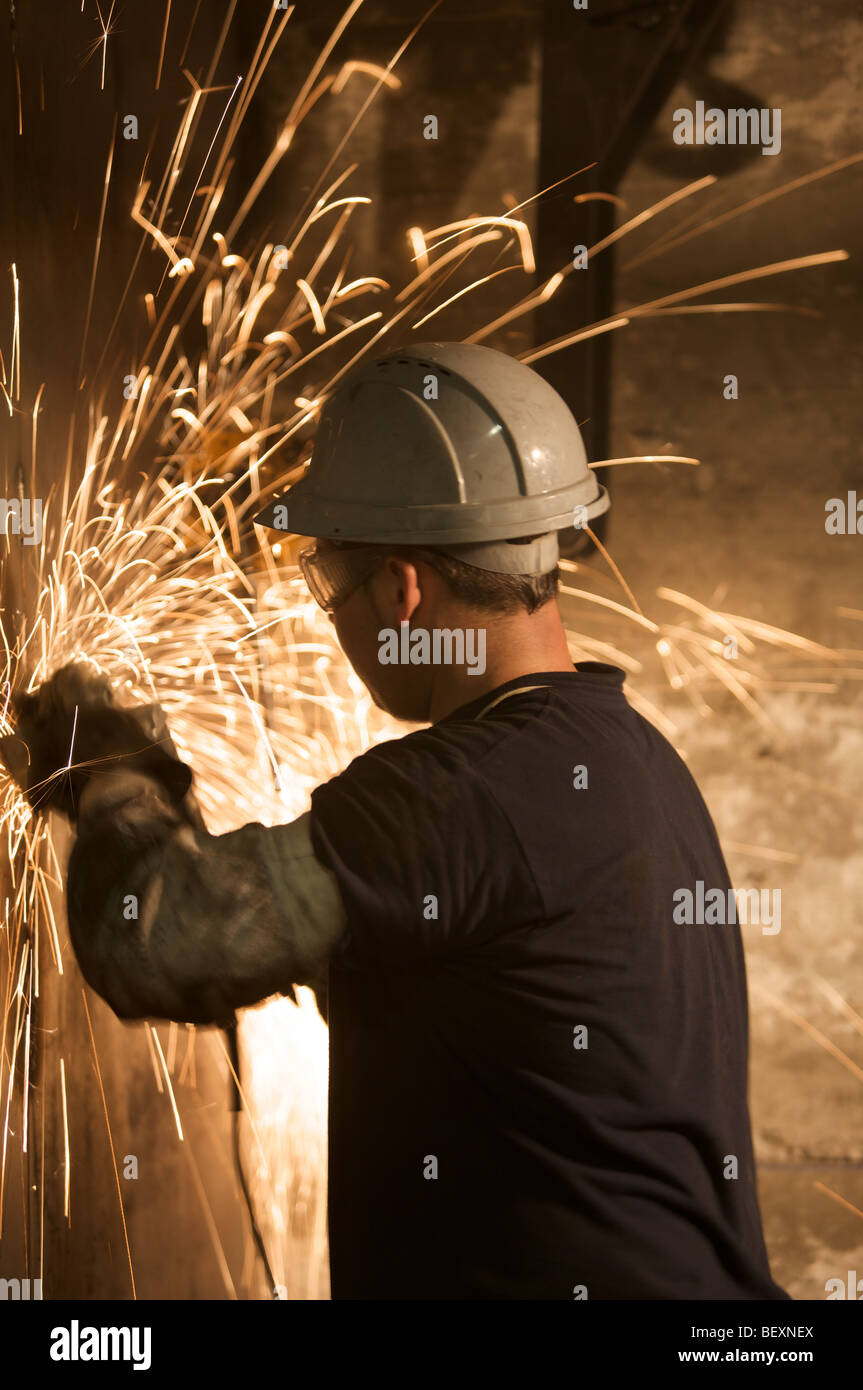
column 425, row 859
column 168, row 921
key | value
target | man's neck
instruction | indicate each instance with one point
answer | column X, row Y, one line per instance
column 515, row 645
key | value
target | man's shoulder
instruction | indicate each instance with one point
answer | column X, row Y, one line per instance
column 488, row 740
column 419, row 761
column 413, row 817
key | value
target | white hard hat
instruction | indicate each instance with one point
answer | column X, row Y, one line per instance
column 448, row 445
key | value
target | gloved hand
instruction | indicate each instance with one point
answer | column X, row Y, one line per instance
column 74, row 712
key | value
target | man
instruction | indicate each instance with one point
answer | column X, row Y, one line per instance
column 537, row 1078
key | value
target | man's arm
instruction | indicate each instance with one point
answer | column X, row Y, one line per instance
column 168, row 921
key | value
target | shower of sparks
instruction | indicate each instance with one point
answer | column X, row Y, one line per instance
column 810, row 1029
column 646, row 458
column 670, row 241
column 165, row 586
column 102, row 41
column 840, row 1004
column 162, row 48
column 843, row 1201
column 167, row 1076
column 98, row 246
column 98, row 1069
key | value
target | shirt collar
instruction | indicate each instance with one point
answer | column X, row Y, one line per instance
column 587, row 677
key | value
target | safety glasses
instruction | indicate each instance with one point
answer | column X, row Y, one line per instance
column 334, row 575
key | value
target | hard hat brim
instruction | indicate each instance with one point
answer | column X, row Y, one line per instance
column 450, row 524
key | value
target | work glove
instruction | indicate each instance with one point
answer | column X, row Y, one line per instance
column 70, row 731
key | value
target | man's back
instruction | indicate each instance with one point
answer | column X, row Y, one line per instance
column 537, row 1078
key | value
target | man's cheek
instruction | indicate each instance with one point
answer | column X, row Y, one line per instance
column 362, row 658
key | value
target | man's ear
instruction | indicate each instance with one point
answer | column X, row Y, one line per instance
column 409, row 591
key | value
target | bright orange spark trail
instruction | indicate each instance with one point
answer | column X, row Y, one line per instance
column 110, row 1141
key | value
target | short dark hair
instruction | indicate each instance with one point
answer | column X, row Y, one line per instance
column 498, row 593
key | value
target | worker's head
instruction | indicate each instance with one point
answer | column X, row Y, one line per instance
column 439, row 479
column 402, row 611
